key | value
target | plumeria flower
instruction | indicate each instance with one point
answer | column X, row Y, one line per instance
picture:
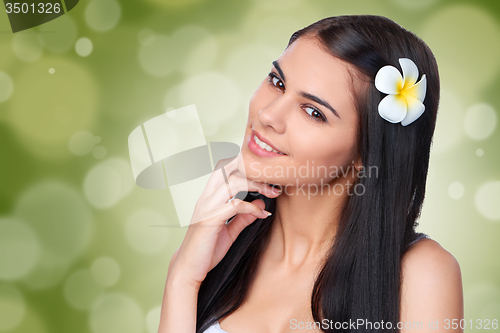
column 405, row 100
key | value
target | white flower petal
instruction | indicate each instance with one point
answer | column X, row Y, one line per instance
column 389, row 80
column 415, row 110
column 392, row 108
column 410, row 72
column 418, row 90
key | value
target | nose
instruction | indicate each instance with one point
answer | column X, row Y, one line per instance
column 275, row 114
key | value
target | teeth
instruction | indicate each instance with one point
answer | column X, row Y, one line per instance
column 265, row 146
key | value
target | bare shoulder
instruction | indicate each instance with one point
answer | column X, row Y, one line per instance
column 431, row 284
column 428, row 260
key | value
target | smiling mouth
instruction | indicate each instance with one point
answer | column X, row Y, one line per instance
column 265, row 146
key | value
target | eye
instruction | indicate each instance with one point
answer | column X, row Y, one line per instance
column 276, row 81
column 315, row 114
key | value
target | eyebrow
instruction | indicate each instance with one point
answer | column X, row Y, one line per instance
column 305, row 94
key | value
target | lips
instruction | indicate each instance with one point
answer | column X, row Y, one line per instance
column 261, row 138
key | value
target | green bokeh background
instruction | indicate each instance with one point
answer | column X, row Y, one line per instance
column 83, row 249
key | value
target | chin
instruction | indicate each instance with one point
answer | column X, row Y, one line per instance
column 254, row 169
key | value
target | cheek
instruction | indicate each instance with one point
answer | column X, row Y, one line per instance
column 324, row 152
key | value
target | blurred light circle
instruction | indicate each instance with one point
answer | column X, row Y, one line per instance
column 102, row 15
column 116, row 313
column 479, row 152
column 12, row 307
column 7, row 56
column 63, row 115
column 461, row 38
column 80, row 290
column 19, row 248
column 190, row 49
column 124, row 170
column 108, row 182
column 102, row 186
column 59, row 35
column 171, row 100
column 83, row 47
column 488, row 200
column 27, row 47
column 6, row 87
column 52, row 70
column 45, row 122
column 456, row 190
column 31, row 322
column 81, row 143
column 146, row 36
column 257, row 59
column 142, row 232
column 97, row 139
column 480, row 121
column 153, row 320
column 160, row 57
column 198, row 47
column 47, row 273
column 216, row 96
column 60, row 218
column 105, row 271
column 99, row 152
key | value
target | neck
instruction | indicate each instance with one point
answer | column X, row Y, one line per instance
column 305, row 224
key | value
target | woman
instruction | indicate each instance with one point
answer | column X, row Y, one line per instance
column 339, row 247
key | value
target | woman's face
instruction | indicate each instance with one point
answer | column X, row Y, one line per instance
column 304, row 109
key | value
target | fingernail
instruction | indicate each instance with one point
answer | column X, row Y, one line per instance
column 266, row 212
column 276, row 190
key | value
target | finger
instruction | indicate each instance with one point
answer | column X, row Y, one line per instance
column 238, row 184
column 241, row 221
column 220, row 174
column 211, row 207
column 260, row 203
column 235, row 207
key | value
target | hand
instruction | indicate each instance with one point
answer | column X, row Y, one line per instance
column 208, row 238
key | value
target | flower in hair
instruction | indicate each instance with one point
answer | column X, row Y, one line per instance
column 404, row 102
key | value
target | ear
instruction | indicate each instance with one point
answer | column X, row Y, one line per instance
column 358, row 164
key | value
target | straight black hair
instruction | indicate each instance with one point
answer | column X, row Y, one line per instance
column 361, row 278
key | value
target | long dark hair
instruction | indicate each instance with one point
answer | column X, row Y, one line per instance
column 361, row 278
